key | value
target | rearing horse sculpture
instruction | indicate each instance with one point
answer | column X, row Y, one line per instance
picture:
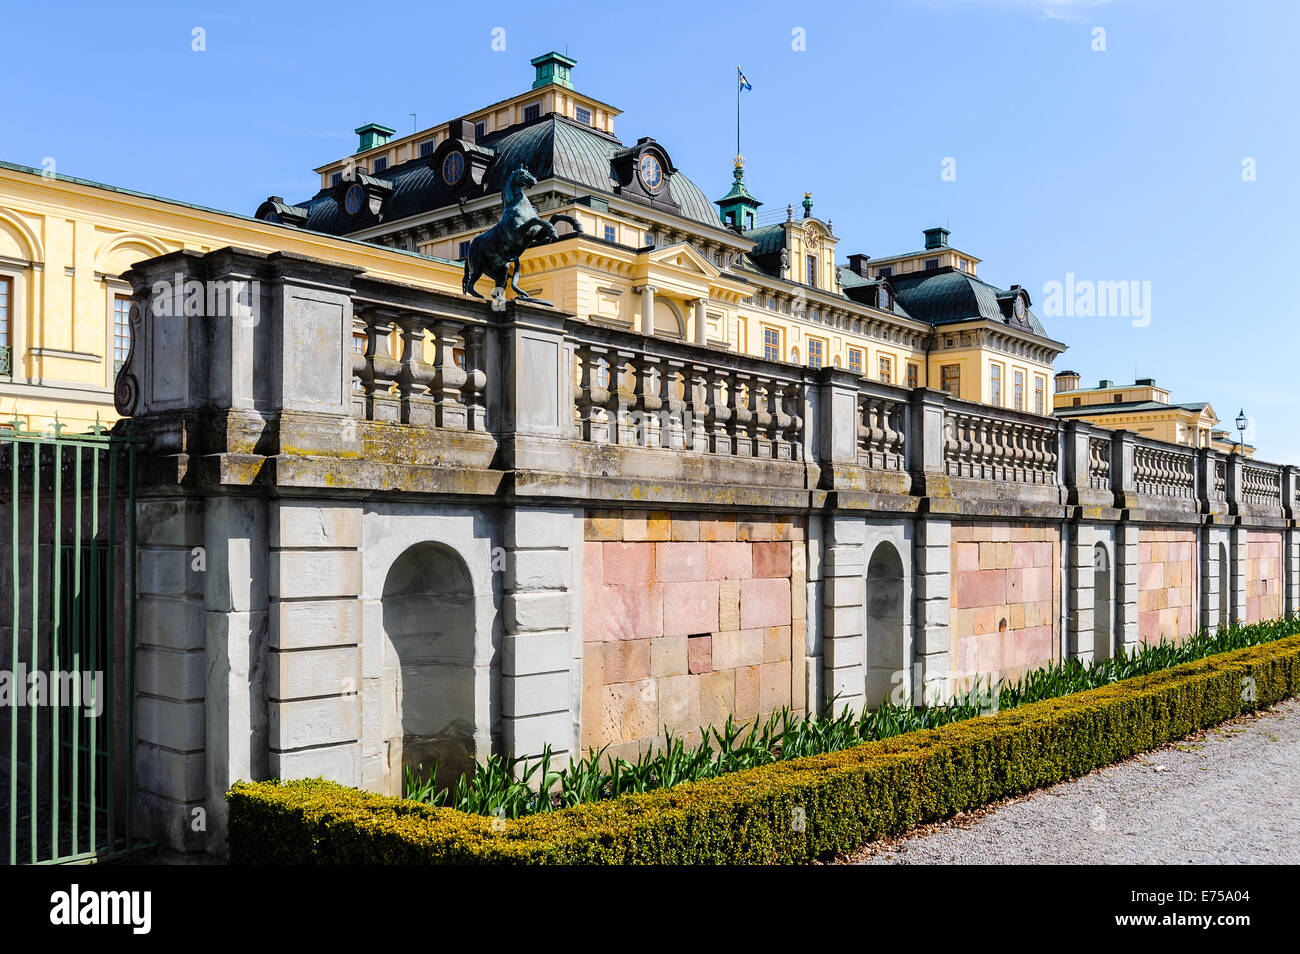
column 519, row 229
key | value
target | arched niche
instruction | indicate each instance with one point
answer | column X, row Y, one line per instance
column 886, row 642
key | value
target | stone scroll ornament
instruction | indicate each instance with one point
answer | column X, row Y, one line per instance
column 126, row 389
column 519, row 229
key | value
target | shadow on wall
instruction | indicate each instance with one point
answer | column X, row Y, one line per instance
column 885, row 642
column 429, row 675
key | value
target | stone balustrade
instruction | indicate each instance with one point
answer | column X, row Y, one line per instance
column 882, row 429
column 990, row 445
column 1261, row 485
column 1099, row 474
column 1164, row 470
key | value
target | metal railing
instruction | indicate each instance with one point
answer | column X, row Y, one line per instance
column 68, row 644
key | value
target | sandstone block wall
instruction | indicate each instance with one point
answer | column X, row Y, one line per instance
column 1006, row 599
column 688, row 618
column 1263, row 575
column 1167, row 581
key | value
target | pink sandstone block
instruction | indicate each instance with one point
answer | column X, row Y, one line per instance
column 980, row 588
column 764, row 603
column 699, row 654
column 1151, row 576
column 680, row 562
column 1038, row 583
column 593, row 567
column 771, row 560
column 967, row 556
column 692, row 608
column 629, row 563
column 624, row 612
column 729, row 561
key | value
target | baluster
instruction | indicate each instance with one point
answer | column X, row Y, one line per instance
column 448, row 378
column 741, row 416
column 671, row 389
column 593, row 419
column 622, row 397
column 383, row 369
column 720, row 412
column 764, row 419
column 647, row 401
column 792, row 402
column 474, row 390
column 415, row 376
column 697, row 430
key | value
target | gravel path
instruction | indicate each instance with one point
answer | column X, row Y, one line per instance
column 1224, row 796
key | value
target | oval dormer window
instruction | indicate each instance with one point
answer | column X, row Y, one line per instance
column 354, row 199
column 453, row 167
column 882, row 298
column 270, row 217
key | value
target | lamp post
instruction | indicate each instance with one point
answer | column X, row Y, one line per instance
column 1242, row 421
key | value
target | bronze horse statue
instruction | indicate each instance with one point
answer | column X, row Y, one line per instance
column 519, row 229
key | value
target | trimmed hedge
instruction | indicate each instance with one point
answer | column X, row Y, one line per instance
column 791, row 811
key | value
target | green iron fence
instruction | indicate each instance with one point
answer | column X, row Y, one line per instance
column 67, row 636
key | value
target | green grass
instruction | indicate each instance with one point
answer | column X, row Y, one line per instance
column 507, row 787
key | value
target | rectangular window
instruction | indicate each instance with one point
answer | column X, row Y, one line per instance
column 931, row 264
column 610, row 234
column 1018, row 385
column 480, row 129
column 1119, row 399
column 771, row 344
column 427, row 147
column 884, row 271
column 965, row 265
column 810, row 266
column 995, row 385
column 816, row 356
column 886, row 369
column 462, row 250
column 6, row 327
column 121, row 330
column 582, row 115
column 381, row 164
column 1040, row 395
column 336, row 178
column 855, row 361
column 950, row 379
column 913, row 375
column 532, row 111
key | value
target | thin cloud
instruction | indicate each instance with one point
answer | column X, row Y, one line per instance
column 1047, row 9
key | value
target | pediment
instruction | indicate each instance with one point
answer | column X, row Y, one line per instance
column 683, row 255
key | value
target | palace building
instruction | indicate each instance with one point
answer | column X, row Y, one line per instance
column 1143, row 408
column 654, row 254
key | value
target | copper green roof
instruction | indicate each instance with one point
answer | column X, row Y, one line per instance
column 551, row 147
column 944, row 296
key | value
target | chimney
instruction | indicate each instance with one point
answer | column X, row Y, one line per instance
column 461, row 129
column 553, row 68
column 372, row 135
column 1106, row 383
column 1145, row 382
column 936, row 238
column 1067, row 381
column 858, row 264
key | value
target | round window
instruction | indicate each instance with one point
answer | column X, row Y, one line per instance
column 453, row 167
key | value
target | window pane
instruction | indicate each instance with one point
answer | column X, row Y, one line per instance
column 121, row 330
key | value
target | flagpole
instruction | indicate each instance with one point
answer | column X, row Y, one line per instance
column 738, row 87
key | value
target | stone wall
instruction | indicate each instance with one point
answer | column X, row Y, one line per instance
column 688, row 618
column 1006, row 598
column 1264, row 578
column 1167, row 570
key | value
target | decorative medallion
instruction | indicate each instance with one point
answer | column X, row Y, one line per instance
column 652, row 174
column 1019, row 308
column 453, row 167
column 810, row 237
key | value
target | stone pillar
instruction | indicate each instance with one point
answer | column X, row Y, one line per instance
column 235, row 662
column 1238, row 552
column 647, row 309
column 814, row 672
column 1080, row 576
column 1126, row 577
column 314, row 671
column 542, row 645
column 843, row 592
column 701, row 321
column 925, row 437
column 837, row 428
column 1291, row 564
column 932, row 629
column 1212, row 538
column 170, row 763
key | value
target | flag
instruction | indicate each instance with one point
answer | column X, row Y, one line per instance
column 744, row 83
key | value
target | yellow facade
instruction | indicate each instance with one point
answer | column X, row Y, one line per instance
column 1141, row 407
column 64, row 245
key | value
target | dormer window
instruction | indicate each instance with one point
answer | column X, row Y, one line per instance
column 532, row 111
column 882, row 298
column 381, row 164
column 582, row 115
column 1019, row 308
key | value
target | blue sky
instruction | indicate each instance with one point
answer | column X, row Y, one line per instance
column 1117, row 165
